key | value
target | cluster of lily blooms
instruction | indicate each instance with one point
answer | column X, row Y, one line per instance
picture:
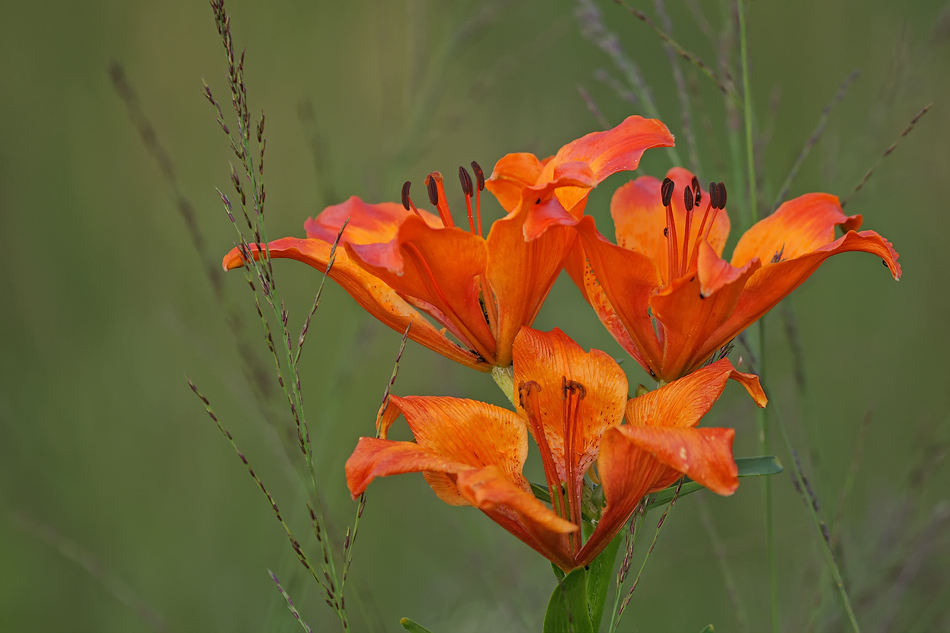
column 663, row 290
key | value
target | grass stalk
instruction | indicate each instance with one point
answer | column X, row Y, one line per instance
column 830, row 562
column 656, row 535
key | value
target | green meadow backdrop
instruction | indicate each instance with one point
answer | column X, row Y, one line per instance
column 122, row 508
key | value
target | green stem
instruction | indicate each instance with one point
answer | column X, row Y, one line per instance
column 747, row 107
column 761, row 414
column 764, row 449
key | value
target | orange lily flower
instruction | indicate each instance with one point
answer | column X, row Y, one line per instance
column 572, row 404
column 399, row 262
column 665, row 293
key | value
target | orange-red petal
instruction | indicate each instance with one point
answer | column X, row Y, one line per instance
column 365, row 223
column 438, row 266
column 376, row 457
column 520, row 274
column 797, row 228
column 512, row 173
column 374, row 295
column 466, row 432
column 470, row 453
column 606, row 153
column 628, row 280
column 683, row 402
column 640, row 218
column 705, row 455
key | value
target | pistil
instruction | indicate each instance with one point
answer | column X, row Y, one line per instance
column 480, row 182
column 688, row 202
column 572, row 392
column 671, row 244
column 466, row 181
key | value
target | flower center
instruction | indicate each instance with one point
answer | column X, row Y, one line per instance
column 683, row 261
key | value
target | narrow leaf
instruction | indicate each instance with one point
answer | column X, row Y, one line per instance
column 748, row 467
column 568, row 608
column 599, row 575
column 412, row 626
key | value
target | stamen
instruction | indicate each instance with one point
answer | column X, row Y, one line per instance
column 697, row 191
column 437, row 197
column 688, row 201
column 528, row 398
column 480, row 180
column 466, row 181
column 666, row 191
column 572, row 392
column 406, row 200
column 717, row 194
column 700, row 235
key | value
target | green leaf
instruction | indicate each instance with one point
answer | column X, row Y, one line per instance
column 413, row 627
column 599, row 573
column 568, row 608
column 748, row 467
column 708, row 629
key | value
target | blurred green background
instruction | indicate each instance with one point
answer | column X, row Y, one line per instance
column 122, row 508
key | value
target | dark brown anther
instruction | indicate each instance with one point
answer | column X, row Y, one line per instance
column 666, row 191
column 466, row 181
column 433, row 189
column 722, row 195
column 479, row 175
column 697, row 191
column 714, row 195
column 688, row 199
column 405, row 195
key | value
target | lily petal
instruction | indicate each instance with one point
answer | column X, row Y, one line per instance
column 628, row 279
column 512, row 173
column 468, row 432
column 374, row 295
column 683, row 402
column 365, row 223
column 597, row 298
column 521, row 274
column 438, row 266
column 470, row 453
column 606, row 153
column 705, row 455
column 375, row 457
column 797, row 228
